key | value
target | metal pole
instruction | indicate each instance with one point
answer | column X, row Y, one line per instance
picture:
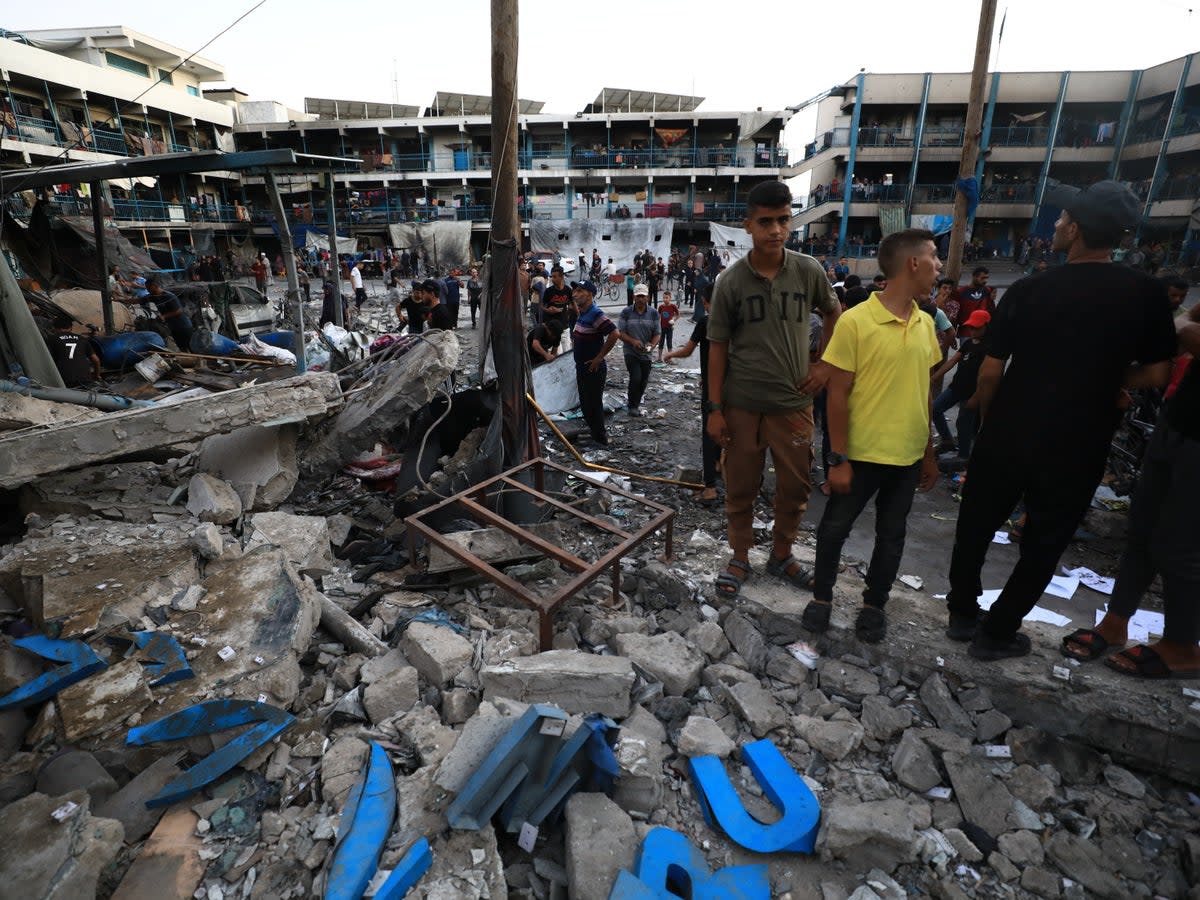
column 335, row 268
column 970, row 153
column 106, row 302
column 504, row 120
column 289, row 266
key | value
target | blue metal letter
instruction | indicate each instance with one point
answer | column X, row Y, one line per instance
column 206, row 718
column 80, row 662
column 668, row 864
column 796, row 830
column 365, row 825
column 169, row 664
column 408, row 872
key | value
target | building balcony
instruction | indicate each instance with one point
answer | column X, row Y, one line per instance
column 127, row 212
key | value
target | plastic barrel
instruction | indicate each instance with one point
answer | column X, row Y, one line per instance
column 284, row 339
column 211, row 343
column 121, row 351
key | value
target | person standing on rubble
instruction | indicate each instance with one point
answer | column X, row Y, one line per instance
column 474, row 294
column 1047, row 415
column 879, row 361
column 356, row 279
column 556, row 301
column 592, row 340
column 453, row 292
column 640, row 329
column 759, row 389
column 437, row 314
column 260, row 269
column 74, row 356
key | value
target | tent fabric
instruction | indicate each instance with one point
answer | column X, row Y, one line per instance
column 937, row 224
column 314, row 240
column 731, row 242
column 1032, row 117
column 118, row 251
column 751, row 123
column 443, row 245
column 618, row 239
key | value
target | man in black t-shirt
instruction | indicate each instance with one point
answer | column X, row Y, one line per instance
column 1048, row 418
column 556, row 299
column 542, row 342
column 437, row 313
column 965, row 362
column 171, row 312
column 74, row 356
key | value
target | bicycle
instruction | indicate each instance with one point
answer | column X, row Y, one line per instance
column 611, row 289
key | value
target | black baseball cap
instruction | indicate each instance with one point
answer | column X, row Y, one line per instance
column 586, row 285
column 1106, row 206
column 431, row 285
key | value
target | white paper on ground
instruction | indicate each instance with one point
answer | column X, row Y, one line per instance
column 1141, row 626
column 1037, row 614
column 1063, row 586
column 1001, row 537
column 1090, row 579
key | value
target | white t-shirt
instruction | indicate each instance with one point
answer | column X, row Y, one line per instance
column 610, row 269
column 356, row 277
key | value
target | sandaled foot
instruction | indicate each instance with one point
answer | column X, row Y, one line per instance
column 707, row 497
column 986, row 647
column 816, row 615
column 1146, row 662
column 1086, row 645
column 791, row 571
column 729, row 582
column 871, row 625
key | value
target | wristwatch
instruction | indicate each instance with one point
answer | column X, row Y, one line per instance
column 832, row 460
column 710, row 407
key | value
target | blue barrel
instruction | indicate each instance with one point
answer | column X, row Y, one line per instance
column 462, row 160
column 210, row 343
column 120, row 351
column 283, row 339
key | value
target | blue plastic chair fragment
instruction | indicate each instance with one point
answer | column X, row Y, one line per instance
column 79, row 661
column 365, row 825
column 796, row 829
column 207, row 718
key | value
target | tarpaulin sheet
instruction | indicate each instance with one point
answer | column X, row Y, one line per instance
column 118, row 251
column 936, row 224
column 314, row 240
column 616, row 239
column 891, row 219
column 731, row 242
column 443, row 245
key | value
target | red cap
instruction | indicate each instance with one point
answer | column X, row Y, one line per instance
column 978, row 319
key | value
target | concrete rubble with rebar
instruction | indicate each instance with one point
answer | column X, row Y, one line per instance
column 286, row 583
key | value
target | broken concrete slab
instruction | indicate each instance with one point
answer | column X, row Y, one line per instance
column 600, row 842
column 666, row 657
column 868, row 835
column 701, row 736
column 438, row 653
column 128, row 805
column 103, row 701
column 58, row 857
column 845, row 680
column 385, row 405
column 756, row 707
column 914, row 765
column 396, row 692
column 304, row 539
column 984, row 799
column 883, row 721
column 74, row 572
column 492, row 546
column 75, row 770
column 1086, row 863
column 29, row 455
column 18, row 411
column 212, row 500
column 258, row 461
column 944, row 708
column 640, row 779
column 340, row 768
column 573, row 681
column 126, row 492
column 479, row 736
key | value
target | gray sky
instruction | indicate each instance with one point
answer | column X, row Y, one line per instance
column 770, row 53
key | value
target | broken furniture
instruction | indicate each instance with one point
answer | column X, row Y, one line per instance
column 472, row 502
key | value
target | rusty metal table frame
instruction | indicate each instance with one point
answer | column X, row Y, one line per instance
column 473, row 499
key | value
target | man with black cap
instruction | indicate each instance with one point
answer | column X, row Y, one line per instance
column 437, row 313
column 592, row 339
column 1048, row 419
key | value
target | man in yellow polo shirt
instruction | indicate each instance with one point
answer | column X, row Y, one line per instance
column 879, row 360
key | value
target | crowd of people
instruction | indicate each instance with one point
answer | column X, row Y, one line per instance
column 788, row 344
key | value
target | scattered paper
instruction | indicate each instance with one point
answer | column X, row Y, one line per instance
column 1090, row 579
column 998, row 751
column 1001, row 537
column 913, row 581
column 1062, row 672
column 940, row 792
column 227, row 653
column 64, row 812
column 1063, row 586
column 1141, row 626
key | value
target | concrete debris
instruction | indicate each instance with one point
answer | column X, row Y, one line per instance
column 935, row 775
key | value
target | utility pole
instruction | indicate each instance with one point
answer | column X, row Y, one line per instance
column 504, row 313
column 971, row 135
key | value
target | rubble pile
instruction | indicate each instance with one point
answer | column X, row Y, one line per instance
column 923, row 786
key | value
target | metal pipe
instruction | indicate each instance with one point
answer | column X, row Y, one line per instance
column 105, row 402
column 596, row 466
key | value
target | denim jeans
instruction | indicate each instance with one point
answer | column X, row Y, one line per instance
column 968, row 421
column 639, row 377
column 893, row 488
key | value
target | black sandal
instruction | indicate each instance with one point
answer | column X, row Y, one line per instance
column 729, row 585
column 1094, row 644
column 801, row 578
column 816, row 615
column 871, row 625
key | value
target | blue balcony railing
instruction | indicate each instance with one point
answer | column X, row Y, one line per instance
column 39, row 131
column 534, row 161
